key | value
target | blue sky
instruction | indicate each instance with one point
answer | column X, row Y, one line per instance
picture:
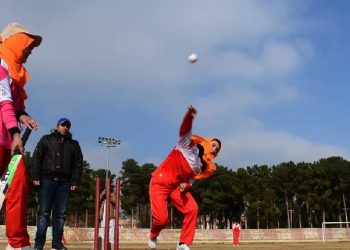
column 272, row 79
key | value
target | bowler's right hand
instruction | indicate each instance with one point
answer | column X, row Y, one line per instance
column 17, row 144
column 192, row 110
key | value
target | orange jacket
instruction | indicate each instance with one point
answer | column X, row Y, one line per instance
column 207, row 156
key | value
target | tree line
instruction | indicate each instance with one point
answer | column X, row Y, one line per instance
column 287, row 195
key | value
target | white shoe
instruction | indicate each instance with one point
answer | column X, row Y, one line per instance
column 152, row 243
column 182, row 247
column 8, row 247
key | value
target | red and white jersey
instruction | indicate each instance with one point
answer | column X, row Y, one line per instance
column 8, row 104
column 183, row 162
column 190, row 152
column 5, row 82
column 236, row 226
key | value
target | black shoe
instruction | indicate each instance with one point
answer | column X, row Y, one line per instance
column 61, row 247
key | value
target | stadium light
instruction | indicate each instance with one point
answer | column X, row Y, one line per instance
column 109, row 143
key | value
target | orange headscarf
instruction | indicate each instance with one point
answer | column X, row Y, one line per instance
column 208, row 156
column 11, row 50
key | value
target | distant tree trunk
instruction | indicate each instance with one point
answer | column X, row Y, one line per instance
column 139, row 213
column 345, row 210
column 287, row 207
column 150, row 216
column 132, row 218
column 171, row 218
column 316, row 219
column 76, row 218
column 309, row 214
column 86, row 217
column 323, row 216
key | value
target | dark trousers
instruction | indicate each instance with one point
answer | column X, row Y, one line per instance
column 53, row 195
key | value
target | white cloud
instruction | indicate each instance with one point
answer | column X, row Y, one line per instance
column 273, row 147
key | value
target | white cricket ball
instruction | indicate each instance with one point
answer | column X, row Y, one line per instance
column 193, row 58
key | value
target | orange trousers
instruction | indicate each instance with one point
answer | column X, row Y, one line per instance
column 184, row 203
column 16, row 202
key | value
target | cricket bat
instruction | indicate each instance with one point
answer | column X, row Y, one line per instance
column 7, row 177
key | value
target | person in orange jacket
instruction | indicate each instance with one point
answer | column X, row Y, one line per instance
column 191, row 158
column 16, row 45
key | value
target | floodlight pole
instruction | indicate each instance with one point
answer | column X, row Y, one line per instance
column 108, row 152
column 109, row 143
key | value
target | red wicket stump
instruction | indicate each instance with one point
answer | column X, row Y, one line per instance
column 116, row 214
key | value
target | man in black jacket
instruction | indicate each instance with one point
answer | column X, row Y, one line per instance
column 56, row 169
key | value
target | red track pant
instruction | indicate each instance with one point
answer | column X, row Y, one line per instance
column 236, row 237
column 16, row 202
column 184, row 202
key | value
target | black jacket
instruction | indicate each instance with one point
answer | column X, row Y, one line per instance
column 57, row 156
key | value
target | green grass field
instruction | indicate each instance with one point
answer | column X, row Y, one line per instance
column 214, row 246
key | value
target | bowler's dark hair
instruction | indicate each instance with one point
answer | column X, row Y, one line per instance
column 215, row 139
column 200, row 154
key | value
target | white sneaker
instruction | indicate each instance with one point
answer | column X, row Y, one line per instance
column 8, row 247
column 182, row 247
column 152, row 243
column 26, row 248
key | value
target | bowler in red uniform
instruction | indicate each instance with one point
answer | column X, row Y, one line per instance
column 191, row 157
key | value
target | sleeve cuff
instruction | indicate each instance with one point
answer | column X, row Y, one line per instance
column 19, row 113
column 14, row 130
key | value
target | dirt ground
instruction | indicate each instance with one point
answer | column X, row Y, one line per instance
column 214, row 245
